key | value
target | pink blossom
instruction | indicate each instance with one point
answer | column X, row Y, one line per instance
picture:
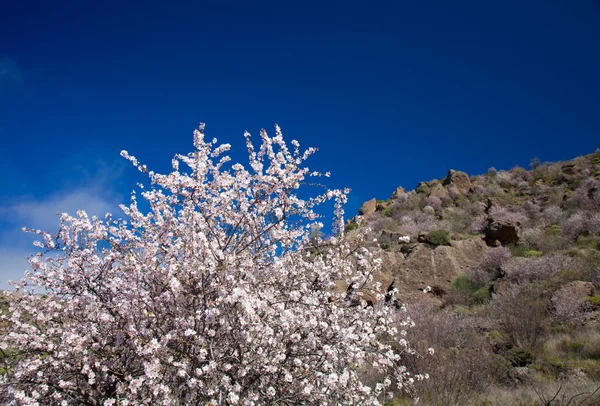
column 208, row 297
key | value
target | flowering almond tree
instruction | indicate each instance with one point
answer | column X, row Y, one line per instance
column 214, row 295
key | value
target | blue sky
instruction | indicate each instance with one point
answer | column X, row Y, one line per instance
column 391, row 92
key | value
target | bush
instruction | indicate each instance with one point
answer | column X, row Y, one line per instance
column 193, row 303
column 496, row 258
column 481, row 295
column 438, row 237
column 351, row 227
column 521, row 318
column 518, row 357
column 463, row 284
column 533, row 254
column 594, row 301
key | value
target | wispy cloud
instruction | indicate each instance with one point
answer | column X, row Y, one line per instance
column 41, row 213
column 13, row 263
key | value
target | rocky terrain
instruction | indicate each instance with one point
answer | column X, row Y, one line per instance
column 501, row 274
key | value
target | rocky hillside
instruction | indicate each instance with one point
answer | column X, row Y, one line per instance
column 501, row 273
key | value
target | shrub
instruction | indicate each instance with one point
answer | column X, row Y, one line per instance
column 521, row 318
column 519, row 357
column 194, row 303
column 543, row 268
column 479, row 224
column 496, row 257
column 569, row 306
column 351, row 226
column 463, row 284
column 503, row 215
column 573, row 226
column 481, row 277
column 438, row 237
column 594, row 301
column 481, row 295
column 429, row 210
column 434, row 202
column 553, row 215
column 532, row 254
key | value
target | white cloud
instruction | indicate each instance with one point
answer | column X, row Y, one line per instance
column 42, row 214
column 15, row 245
column 13, row 263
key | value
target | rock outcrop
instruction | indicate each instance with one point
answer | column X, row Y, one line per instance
column 368, row 207
column 503, row 232
column 439, row 191
column 460, row 180
column 398, row 192
column 425, row 266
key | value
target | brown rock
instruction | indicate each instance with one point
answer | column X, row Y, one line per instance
column 569, row 169
column 439, row 191
column 390, row 236
column 422, row 187
column 398, row 192
column 503, row 231
column 460, row 180
column 368, row 207
column 439, row 267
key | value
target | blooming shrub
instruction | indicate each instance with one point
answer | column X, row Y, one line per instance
column 479, row 223
column 208, row 297
column 496, row 257
column 587, row 196
column 503, row 215
column 535, row 268
column 434, row 202
column 553, row 215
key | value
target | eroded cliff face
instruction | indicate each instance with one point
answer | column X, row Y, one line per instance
column 415, row 266
column 427, row 266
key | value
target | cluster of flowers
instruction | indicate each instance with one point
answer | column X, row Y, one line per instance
column 208, row 297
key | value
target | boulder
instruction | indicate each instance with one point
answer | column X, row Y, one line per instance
column 569, row 169
column 439, row 191
column 422, row 188
column 381, row 206
column 460, row 180
column 398, row 192
column 438, row 267
column 368, row 207
column 390, row 236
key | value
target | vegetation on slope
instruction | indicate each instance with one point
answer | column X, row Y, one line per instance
column 523, row 326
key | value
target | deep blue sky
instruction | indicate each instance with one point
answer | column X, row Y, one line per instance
column 391, row 92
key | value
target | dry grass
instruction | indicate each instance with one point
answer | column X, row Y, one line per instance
column 582, row 393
